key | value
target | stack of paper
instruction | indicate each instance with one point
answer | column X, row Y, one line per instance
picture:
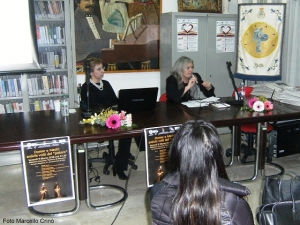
column 201, row 103
column 278, row 91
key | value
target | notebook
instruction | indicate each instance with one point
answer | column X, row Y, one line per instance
column 138, row 99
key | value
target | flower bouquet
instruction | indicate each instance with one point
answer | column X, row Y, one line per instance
column 258, row 104
column 111, row 118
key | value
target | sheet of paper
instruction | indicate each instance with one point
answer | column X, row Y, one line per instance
column 195, row 103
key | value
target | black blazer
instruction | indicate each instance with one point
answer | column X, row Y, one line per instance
column 175, row 95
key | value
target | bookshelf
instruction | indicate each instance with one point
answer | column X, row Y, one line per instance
column 34, row 92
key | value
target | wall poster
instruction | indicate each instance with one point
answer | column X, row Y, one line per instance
column 187, row 35
column 157, row 142
column 47, row 168
column 225, row 40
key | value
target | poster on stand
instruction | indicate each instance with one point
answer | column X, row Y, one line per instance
column 157, row 142
column 48, row 172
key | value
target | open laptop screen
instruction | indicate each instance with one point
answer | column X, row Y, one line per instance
column 137, row 99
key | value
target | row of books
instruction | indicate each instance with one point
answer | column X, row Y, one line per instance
column 50, row 34
column 49, row 9
column 11, row 107
column 10, row 86
column 55, row 58
column 47, row 84
column 38, row 105
column 35, row 105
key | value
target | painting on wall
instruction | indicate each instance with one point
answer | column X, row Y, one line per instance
column 124, row 34
column 212, row 6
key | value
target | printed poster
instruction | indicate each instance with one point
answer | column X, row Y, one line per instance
column 47, row 168
column 187, row 35
column 157, row 142
column 225, row 40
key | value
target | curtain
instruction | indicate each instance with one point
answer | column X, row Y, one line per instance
column 291, row 46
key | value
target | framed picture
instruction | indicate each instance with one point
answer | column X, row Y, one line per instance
column 212, row 6
column 124, row 34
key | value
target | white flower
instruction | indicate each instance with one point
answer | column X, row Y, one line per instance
column 128, row 120
column 258, row 106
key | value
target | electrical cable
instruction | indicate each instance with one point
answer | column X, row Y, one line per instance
column 129, row 171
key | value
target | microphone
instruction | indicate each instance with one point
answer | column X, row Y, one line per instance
column 271, row 99
column 194, row 76
column 87, row 113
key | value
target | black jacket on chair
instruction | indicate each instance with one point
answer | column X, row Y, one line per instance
column 235, row 209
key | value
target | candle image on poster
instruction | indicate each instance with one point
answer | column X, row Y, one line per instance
column 158, row 141
column 187, row 35
column 225, row 40
column 47, row 168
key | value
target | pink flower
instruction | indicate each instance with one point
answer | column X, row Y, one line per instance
column 268, row 105
column 258, row 106
column 122, row 115
column 113, row 121
column 252, row 101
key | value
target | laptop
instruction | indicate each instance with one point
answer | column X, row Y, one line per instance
column 137, row 99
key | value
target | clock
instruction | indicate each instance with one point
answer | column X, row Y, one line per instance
column 260, row 39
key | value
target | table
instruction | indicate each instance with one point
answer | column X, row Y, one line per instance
column 18, row 127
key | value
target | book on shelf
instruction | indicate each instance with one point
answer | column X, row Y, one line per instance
column 49, row 10
column 8, row 108
column 2, row 109
column 12, row 90
column 37, row 106
column 38, row 34
column 45, row 85
column 29, row 84
column 11, row 107
column 19, row 86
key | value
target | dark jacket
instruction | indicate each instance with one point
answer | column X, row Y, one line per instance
column 175, row 95
column 234, row 210
column 98, row 99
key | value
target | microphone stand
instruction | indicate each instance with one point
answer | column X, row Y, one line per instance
column 87, row 113
column 240, row 101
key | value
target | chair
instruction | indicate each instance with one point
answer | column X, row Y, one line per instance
column 108, row 158
column 251, row 130
column 163, row 97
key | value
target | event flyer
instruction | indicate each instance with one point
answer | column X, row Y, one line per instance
column 157, row 141
column 47, row 167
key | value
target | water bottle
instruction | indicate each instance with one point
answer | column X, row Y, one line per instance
column 242, row 90
column 64, row 107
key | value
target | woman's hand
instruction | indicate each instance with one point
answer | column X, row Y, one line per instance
column 192, row 81
column 207, row 85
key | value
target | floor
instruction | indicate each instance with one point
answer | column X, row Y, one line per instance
column 136, row 208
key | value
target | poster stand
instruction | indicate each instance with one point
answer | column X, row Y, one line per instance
column 157, row 142
column 48, row 175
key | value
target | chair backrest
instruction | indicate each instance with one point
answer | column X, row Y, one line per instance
column 163, row 97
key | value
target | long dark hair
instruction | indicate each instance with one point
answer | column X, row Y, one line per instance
column 196, row 154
